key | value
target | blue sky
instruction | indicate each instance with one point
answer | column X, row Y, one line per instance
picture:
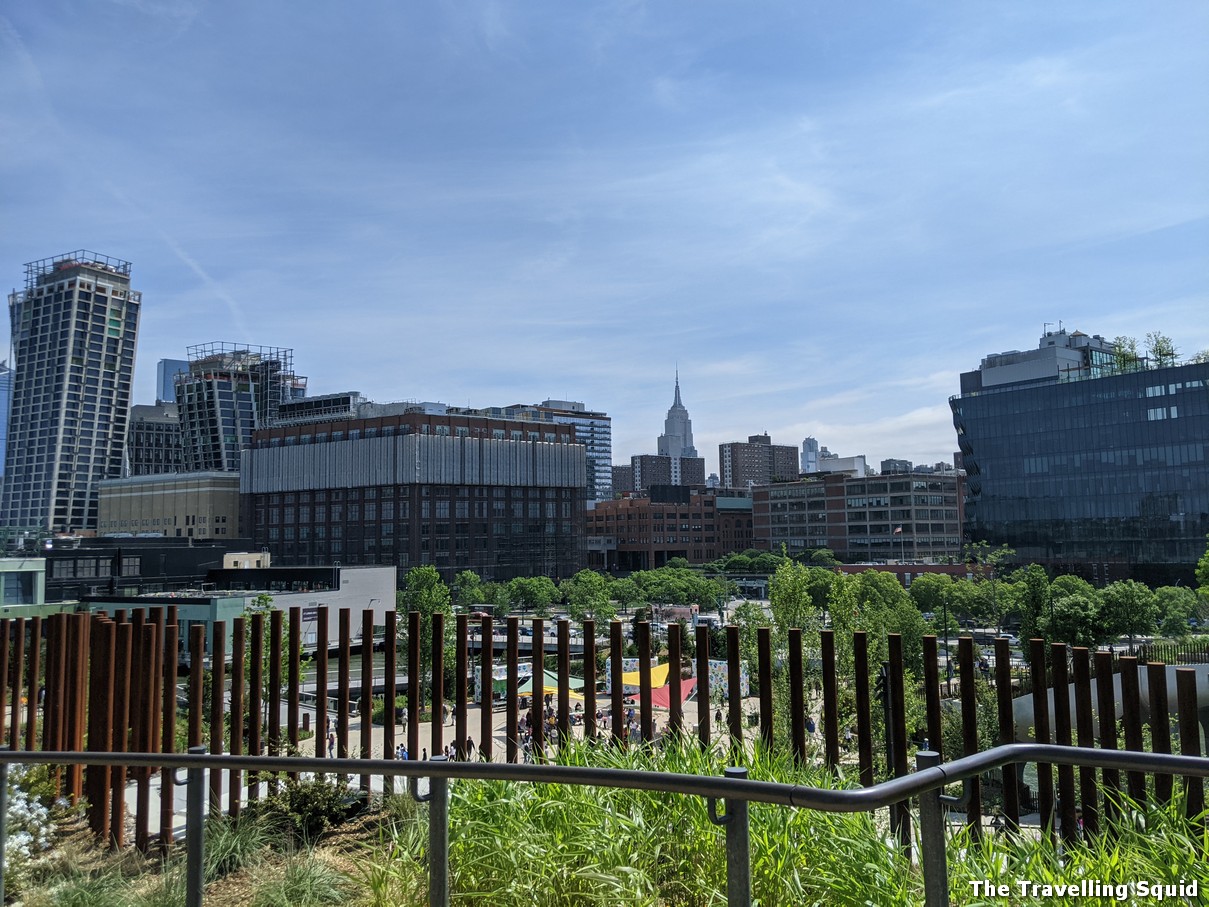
column 820, row 212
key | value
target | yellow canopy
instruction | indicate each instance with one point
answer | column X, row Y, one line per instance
column 658, row 676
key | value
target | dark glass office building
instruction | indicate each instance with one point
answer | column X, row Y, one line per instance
column 1084, row 466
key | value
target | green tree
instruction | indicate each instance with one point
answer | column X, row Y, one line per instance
column 1202, row 571
column 423, row 591
column 496, row 595
column 1125, row 353
column 533, row 593
column 989, row 563
column 931, row 591
column 626, row 594
column 749, row 617
column 1127, row 608
column 821, row 557
column 1033, row 594
column 263, row 604
column 790, row 601
column 1174, row 606
column 587, row 595
column 876, row 602
column 468, row 590
column 1161, row 349
column 1074, row 620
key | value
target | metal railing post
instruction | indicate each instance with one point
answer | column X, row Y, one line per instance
column 195, row 832
column 932, row 856
column 438, row 840
column 3, row 816
column 738, row 844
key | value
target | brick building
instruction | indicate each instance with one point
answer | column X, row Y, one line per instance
column 394, row 484
column 643, row 533
column 915, row 518
column 756, row 461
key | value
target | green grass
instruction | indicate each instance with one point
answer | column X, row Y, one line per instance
column 543, row 844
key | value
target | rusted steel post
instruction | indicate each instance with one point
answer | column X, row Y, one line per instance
column 255, row 698
column 415, row 681
column 487, row 685
column 218, row 695
column 148, row 704
column 239, row 642
column 734, row 689
column 367, row 692
column 1062, row 736
column 564, row 682
column 121, row 729
column 617, row 717
column 1085, row 736
column 1106, row 707
column 343, row 685
column 864, row 717
column 155, row 729
column 197, row 658
column 6, row 634
column 52, row 713
column 1160, row 724
column 590, row 728
column 703, row 691
column 138, row 619
column 831, row 697
column 14, row 730
column 646, row 715
column 273, row 692
column 764, row 661
column 390, row 692
column 100, row 723
column 293, row 680
column 797, row 698
column 1007, row 731
column 1045, row 771
column 898, row 731
column 1190, row 738
column 437, row 688
column 171, row 664
column 50, row 686
column 32, row 686
column 460, row 699
column 322, row 721
column 511, row 691
column 932, row 695
column 966, row 668
column 538, row 688
column 1131, row 719
column 675, row 721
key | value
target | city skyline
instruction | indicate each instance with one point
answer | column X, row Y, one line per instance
column 820, row 217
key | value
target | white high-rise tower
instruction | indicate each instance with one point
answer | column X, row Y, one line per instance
column 74, row 330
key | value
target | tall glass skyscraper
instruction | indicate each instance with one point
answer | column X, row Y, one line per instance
column 74, row 331
column 230, row 391
column 1087, row 464
column 6, row 396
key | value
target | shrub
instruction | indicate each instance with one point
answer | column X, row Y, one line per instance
column 28, row 822
column 305, row 881
column 304, row 809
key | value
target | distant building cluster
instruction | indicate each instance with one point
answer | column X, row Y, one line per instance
column 1080, row 455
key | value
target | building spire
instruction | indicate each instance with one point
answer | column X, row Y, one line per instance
column 677, row 402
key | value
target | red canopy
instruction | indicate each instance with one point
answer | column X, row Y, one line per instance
column 662, row 696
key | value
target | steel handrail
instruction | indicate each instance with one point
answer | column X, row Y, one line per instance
column 734, row 788
column 862, row 799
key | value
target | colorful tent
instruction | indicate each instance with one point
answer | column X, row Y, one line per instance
column 550, row 684
column 658, row 676
column 662, row 697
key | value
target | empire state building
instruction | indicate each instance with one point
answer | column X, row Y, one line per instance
column 676, row 443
